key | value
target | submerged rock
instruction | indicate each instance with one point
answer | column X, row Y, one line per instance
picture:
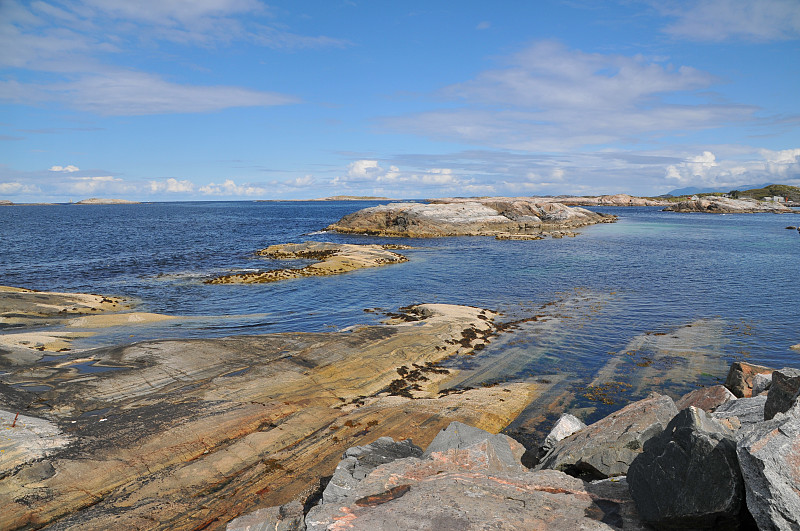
column 688, row 476
column 485, row 217
column 607, row 447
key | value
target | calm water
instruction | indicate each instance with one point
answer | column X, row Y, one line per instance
column 651, row 272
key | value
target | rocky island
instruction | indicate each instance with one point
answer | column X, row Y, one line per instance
column 99, row 201
column 725, row 205
column 333, row 259
column 499, row 217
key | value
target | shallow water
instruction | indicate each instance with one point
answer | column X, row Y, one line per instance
column 649, row 275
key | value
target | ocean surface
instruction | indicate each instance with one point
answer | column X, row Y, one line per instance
column 731, row 279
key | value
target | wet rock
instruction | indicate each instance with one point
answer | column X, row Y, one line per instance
column 358, row 461
column 607, row 447
column 740, row 378
column 761, row 383
column 742, row 412
column 769, row 457
column 782, row 392
column 705, row 398
column 688, row 476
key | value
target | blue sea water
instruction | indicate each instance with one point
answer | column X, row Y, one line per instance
column 651, row 272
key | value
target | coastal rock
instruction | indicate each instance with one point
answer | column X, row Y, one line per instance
column 688, row 476
column 457, row 488
column 742, row 412
column 501, row 452
column 333, row 259
column 358, row 461
column 616, row 200
column 99, row 201
column 769, row 457
column 192, row 433
column 563, row 428
column 5, row 202
column 485, row 217
column 607, row 447
column 705, row 398
column 783, row 392
column 287, row 517
column 740, row 378
column 724, row 205
column 761, row 383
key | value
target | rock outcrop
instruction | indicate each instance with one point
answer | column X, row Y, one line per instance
column 740, row 378
column 688, row 476
column 782, row 392
column 608, row 447
column 485, row 217
column 100, row 201
column 616, row 200
column 334, row 259
column 184, row 434
column 706, row 398
column 724, row 205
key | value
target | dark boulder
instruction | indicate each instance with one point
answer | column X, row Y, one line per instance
column 607, row 447
column 782, row 392
column 740, row 378
column 688, row 476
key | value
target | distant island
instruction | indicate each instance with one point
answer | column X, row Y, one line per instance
column 98, row 201
column 5, row 202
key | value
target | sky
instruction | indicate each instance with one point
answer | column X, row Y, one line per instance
column 176, row 100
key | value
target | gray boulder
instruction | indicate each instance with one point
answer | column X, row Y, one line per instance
column 566, row 426
column 769, row 457
column 743, row 412
column 782, row 392
column 502, row 452
column 287, row 517
column 761, row 383
column 358, row 461
column 607, row 447
column 688, row 476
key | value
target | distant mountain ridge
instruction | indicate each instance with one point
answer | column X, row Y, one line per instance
column 692, row 190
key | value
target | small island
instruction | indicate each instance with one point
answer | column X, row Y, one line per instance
column 726, row 205
column 99, row 201
column 498, row 217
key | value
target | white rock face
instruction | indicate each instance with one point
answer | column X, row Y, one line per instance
column 725, row 205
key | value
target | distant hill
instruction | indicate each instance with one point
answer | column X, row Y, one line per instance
column 693, row 190
column 771, row 190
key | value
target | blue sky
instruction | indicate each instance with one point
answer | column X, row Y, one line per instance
column 175, row 100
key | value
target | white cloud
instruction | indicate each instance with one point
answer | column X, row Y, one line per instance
column 91, row 185
column 708, row 170
column 15, row 188
column 230, row 188
column 301, row 182
column 550, row 98
column 171, row 185
column 363, row 169
column 65, row 169
column 719, row 20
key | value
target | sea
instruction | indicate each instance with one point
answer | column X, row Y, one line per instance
column 720, row 287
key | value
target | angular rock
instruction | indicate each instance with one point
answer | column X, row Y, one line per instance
column 286, row 517
column 705, row 398
column 607, row 447
column 358, row 461
column 769, row 457
column 782, row 392
column 761, row 383
column 566, row 426
column 741, row 413
column 452, row 491
column 688, row 476
column 501, row 452
column 740, row 378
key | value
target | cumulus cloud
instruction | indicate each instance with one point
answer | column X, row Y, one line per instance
column 366, row 172
column 172, row 186
column 65, row 169
column 760, row 167
column 230, row 188
column 719, row 20
column 91, row 185
column 16, row 188
column 550, row 98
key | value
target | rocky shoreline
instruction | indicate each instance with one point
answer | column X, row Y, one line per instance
column 708, row 461
column 334, row 259
column 725, row 205
column 498, row 217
